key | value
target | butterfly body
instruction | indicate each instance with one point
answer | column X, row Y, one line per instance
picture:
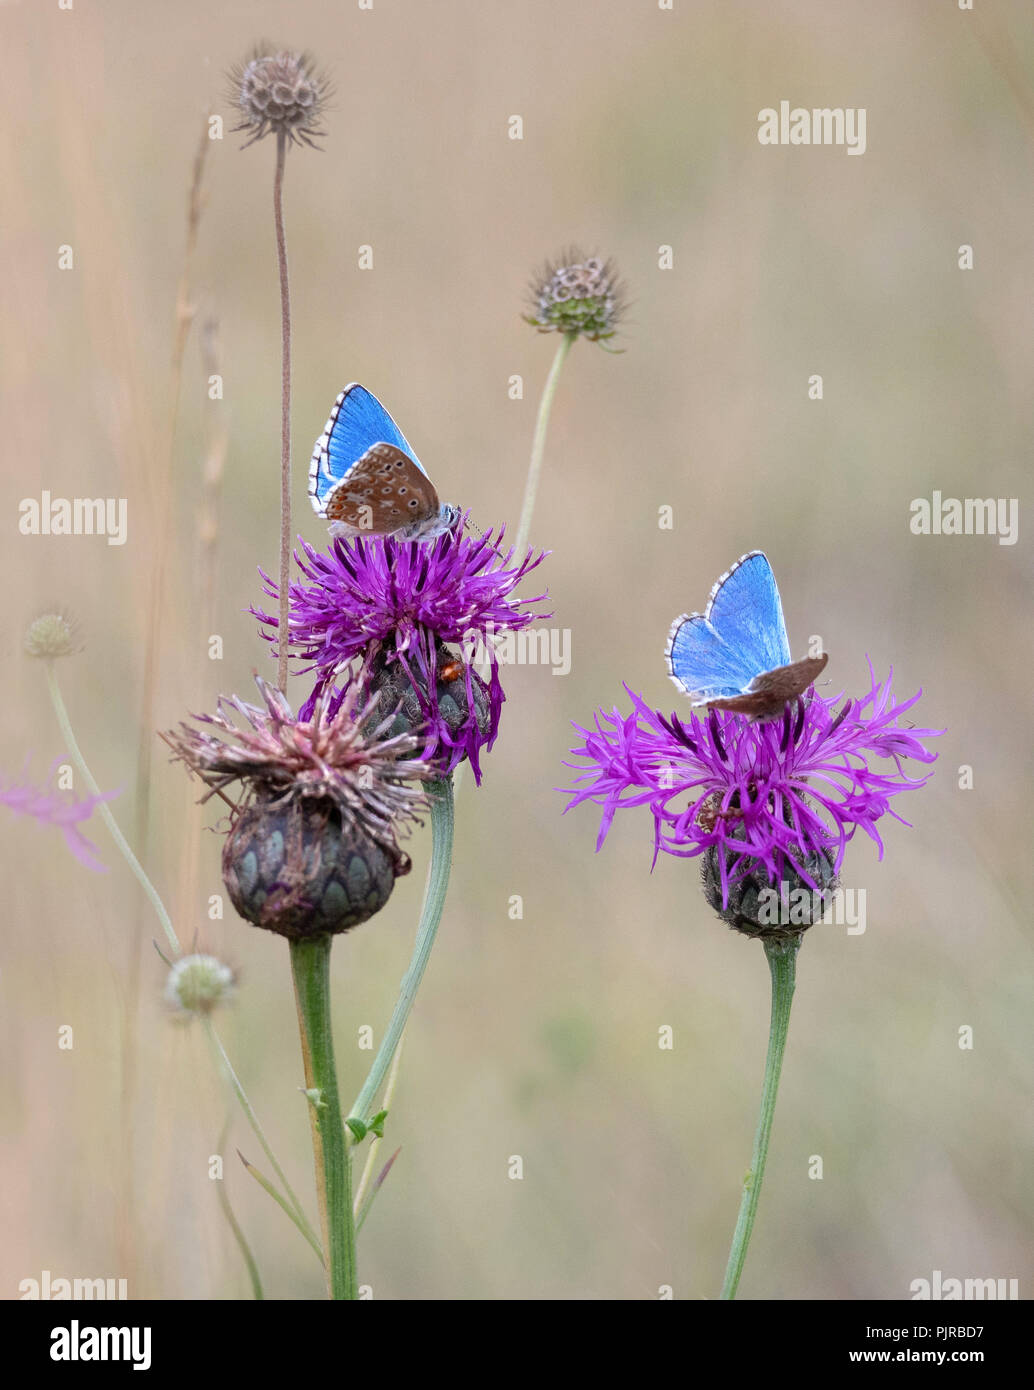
column 365, row 477
column 736, row 654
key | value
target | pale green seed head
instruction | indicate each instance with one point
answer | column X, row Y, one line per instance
column 51, row 635
column 196, row 984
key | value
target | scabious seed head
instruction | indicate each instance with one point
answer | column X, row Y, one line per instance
column 323, row 797
column 280, row 93
column 52, row 635
column 196, row 984
column 766, row 804
column 577, row 295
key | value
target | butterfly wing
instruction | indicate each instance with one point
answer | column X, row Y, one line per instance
column 740, row 635
column 361, row 461
column 383, row 492
column 769, row 692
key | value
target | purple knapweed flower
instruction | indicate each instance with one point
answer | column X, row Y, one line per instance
column 62, row 809
column 763, row 801
column 382, row 612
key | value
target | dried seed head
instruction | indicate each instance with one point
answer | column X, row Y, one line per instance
column 280, row 93
column 313, row 841
column 577, row 295
column 52, row 635
column 350, row 759
column 196, row 984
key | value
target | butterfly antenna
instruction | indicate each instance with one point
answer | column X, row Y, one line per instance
column 481, row 536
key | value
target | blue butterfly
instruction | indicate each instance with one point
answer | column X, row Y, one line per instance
column 736, row 654
column 364, row 475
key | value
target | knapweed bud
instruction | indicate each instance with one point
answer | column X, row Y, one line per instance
column 279, row 93
column 298, row 867
column 755, row 906
column 196, row 984
column 52, row 635
column 452, row 710
column 577, row 295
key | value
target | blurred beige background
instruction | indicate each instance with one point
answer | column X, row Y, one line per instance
column 536, row 1037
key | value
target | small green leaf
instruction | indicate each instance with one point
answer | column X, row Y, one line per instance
column 376, row 1125
column 357, row 1127
column 315, row 1098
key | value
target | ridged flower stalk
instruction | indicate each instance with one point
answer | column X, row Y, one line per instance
column 310, row 966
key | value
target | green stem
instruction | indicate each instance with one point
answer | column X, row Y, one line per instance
column 310, row 965
column 278, row 1197
column 442, row 823
column 222, row 1060
column 363, row 1212
column 105, row 813
column 782, row 963
column 292, row 1206
column 538, row 445
column 359, row 1201
column 235, row 1226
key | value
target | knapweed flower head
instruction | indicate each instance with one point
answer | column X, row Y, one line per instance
column 53, row 634
column 777, row 801
column 62, row 809
column 577, row 295
column 380, row 613
column 322, row 799
column 196, row 984
column 281, row 93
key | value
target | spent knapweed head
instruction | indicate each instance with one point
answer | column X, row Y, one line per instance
column 579, row 296
column 279, row 92
column 386, row 615
column 322, row 799
column 195, row 984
